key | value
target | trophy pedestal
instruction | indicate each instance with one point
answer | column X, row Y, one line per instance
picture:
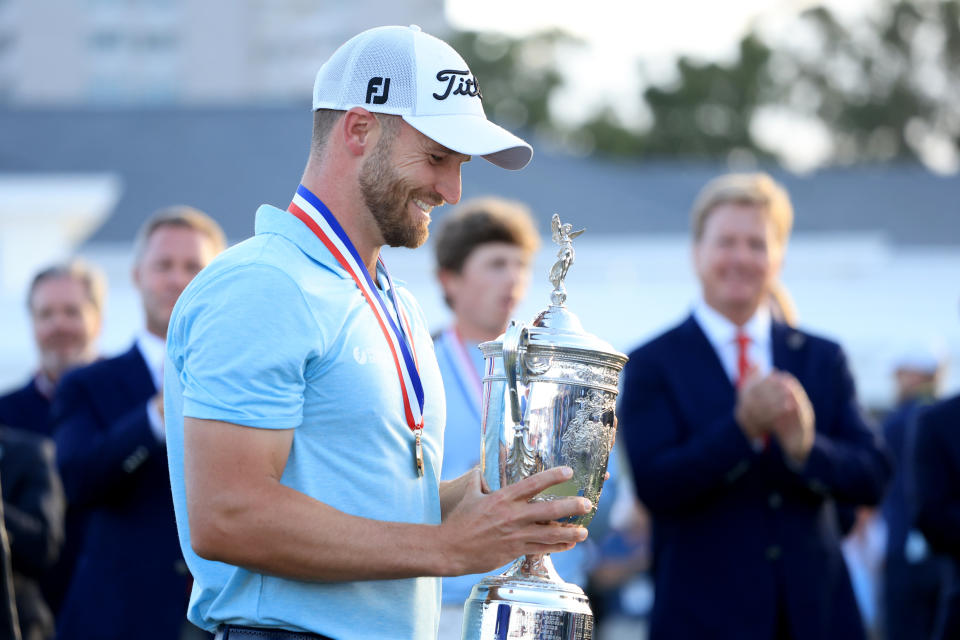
column 528, row 602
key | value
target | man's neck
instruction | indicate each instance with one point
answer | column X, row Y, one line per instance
column 350, row 213
column 53, row 371
column 159, row 332
column 738, row 315
column 470, row 332
column 52, row 374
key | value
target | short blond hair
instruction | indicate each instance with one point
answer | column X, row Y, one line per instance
column 744, row 188
column 179, row 216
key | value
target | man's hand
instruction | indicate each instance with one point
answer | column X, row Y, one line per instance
column 158, row 404
column 485, row 531
column 759, row 402
column 794, row 427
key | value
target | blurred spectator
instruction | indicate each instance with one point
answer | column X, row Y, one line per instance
column 863, row 550
column 936, row 489
column 913, row 576
column 484, row 250
column 65, row 302
column 33, row 507
column 741, row 432
column 130, row 580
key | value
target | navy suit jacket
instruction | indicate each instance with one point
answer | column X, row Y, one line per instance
column 130, row 580
column 937, row 485
column 26, row 408
column 741, row 540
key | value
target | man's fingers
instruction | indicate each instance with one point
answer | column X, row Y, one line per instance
column 542, row 511
column 535, row 549
column 529, row 487
column 554, row 533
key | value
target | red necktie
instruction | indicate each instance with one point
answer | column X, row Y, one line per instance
column 743, row 362
column 743, row 368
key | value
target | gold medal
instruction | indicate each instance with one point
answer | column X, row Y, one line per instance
column 418, row 452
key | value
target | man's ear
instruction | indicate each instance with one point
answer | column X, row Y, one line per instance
column 135, row 275
column 360, row 130
column 449, row 281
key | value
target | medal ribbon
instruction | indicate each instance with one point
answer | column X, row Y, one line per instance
column 466, row 373
column 318, row 218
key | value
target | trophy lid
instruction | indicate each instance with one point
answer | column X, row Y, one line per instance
column 556, row 328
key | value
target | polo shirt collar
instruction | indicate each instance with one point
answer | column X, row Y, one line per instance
column 270, row 219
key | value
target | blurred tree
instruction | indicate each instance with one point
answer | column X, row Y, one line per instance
column 706, row 112
column 884, row 87
column 517, row 76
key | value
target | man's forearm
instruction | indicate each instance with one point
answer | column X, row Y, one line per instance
column 281, row 531
column 242, row 514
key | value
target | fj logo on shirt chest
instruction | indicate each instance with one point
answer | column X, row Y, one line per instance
column 364, row 356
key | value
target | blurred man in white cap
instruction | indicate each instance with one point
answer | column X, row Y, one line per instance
column 913, row 576
column 304, row 407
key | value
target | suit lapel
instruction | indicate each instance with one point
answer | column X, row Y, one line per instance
column 703, row 388
column 710, row 372
column 136, row 374
column 787, row 348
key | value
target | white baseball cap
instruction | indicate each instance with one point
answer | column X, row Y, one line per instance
column 406, row 72
column 928, row 356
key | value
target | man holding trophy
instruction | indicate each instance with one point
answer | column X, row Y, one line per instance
column 303, row 401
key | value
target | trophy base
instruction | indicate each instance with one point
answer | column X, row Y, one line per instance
column 526, row 608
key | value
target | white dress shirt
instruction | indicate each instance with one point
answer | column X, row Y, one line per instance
column 153, row 349
column 722, row 334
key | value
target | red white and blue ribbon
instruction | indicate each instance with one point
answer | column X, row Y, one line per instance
column 313, row 213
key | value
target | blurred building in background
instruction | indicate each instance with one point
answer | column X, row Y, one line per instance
column 182, row 52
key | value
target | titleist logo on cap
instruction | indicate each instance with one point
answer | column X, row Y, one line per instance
column 467, row 85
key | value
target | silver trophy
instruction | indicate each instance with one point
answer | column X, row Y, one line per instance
column 549, row 394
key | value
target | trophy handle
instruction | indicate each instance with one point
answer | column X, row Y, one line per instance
column 514, row 339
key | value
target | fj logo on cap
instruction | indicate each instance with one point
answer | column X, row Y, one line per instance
column 466, row 84
column 377, row 90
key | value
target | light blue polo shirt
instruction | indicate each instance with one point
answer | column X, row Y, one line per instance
column 274, row 334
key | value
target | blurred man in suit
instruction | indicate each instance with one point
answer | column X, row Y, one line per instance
column 130, row 580
column 913, row 576
column 741, row 432
column 936, row 475
column 65, row 302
